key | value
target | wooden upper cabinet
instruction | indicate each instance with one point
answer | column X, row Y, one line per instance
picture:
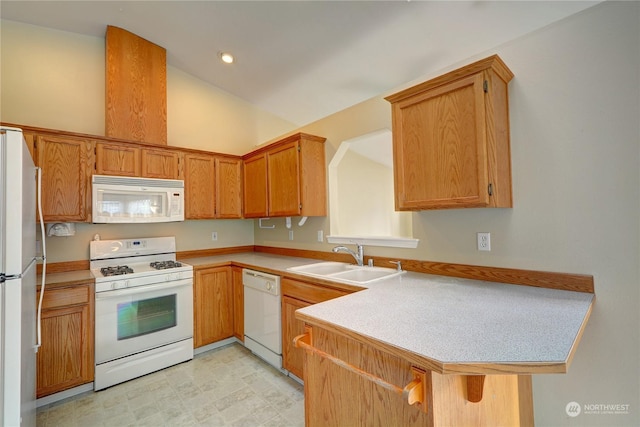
column 160, row 163
column 136, row 88
column 199, row 183
column 451, row 140
column 66, row 174
column 117, row 159
column 283, row 178
column 289, row 179
column 228, row 195
column 255, row 186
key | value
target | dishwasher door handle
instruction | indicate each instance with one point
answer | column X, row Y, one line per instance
column 259, row 276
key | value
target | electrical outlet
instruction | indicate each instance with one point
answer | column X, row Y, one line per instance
column 214, row 235
column 320, row 236
column 290, row 234
column 484, row 241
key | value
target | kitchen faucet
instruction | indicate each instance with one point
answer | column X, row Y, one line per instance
column 359, row 256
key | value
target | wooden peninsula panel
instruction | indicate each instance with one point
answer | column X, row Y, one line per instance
column 136, row 88
column 369, row 386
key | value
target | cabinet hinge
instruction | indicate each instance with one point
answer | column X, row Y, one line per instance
column 485, row 86
column 300, row 206
column 490, row 189
column 298, row 148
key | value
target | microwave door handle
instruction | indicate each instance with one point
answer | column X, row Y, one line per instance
column 167, row 212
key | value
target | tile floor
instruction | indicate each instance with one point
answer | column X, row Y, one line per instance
column 227, row 386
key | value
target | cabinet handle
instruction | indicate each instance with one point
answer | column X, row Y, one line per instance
column 414, row 392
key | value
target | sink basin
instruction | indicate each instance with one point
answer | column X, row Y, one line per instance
column 322, row 268
column 347, row 273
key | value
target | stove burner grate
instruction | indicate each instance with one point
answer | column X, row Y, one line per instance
column 116, row 271
column 163, row 265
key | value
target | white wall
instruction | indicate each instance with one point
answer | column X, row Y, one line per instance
column 55, row 79
column 575, row 141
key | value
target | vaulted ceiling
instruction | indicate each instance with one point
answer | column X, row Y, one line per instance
column 304, row 60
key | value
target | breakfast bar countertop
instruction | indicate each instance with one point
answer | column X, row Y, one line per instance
column 463, row 326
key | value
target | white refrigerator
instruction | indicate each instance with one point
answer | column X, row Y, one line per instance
column 18, row 314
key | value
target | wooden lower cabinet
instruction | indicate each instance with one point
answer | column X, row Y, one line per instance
column 358, row 392
column 292, row 358
column 212, row 305
column 295, row 295
column 66, row 357
column 238, row 303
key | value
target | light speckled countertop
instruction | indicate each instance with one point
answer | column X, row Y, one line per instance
column 485, row 326
column 447, row 321
column 464, row 322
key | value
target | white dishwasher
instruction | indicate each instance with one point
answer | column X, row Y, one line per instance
column 262, row 324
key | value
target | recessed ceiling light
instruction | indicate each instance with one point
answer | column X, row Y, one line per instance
column 226, row 57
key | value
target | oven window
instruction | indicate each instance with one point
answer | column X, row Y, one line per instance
column 146, row 316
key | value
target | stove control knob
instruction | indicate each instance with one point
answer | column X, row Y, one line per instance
column 269, row 286
column 119, row 284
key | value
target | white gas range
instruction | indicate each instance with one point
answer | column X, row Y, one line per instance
column 144, row 308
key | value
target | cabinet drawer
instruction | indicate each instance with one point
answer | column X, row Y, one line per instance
column 62, row 297
column 309, row 292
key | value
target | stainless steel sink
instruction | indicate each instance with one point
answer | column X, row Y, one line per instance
column 347, row 273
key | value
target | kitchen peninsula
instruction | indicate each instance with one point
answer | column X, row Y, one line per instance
column 462, row 350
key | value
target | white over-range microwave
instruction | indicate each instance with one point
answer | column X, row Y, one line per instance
column 118, row 199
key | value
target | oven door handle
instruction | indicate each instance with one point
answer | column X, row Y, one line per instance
column 143, row 288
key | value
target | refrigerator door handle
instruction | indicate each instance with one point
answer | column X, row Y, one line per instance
column 44, row 261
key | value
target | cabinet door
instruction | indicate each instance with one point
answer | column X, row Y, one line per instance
column 199, row 181
column 238, row 303
column 255, row 187
column 66, row 173
column 65, row 359
column 212, row 305
column 163, row 164
column 292, row 357
column 283, row 173
column 295, row 295
column 228, row 188
column 115, row 159
column 440, row 147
